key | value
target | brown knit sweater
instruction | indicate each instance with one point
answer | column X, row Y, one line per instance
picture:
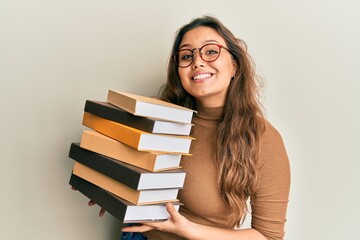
column 201, row 196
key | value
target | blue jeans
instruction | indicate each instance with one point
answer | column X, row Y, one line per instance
column 132, row 236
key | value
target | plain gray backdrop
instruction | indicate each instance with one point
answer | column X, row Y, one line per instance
column 56, row 54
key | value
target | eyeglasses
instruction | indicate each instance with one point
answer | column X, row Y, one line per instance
column 209, row 53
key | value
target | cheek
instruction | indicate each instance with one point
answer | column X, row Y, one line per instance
column 183, row 77
column 227, row 68
column 182, row 73
column 185, row 84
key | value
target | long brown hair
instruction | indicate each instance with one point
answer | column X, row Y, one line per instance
column 241, row 126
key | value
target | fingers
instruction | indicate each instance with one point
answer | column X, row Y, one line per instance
column 92, row 203
column 174, row 214
column 101, row 212
column 176, row 224
column 140, row 228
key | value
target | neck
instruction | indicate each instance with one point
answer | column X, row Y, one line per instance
column 207, row 103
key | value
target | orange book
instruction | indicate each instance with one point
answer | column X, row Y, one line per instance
column 116, row 114
column 151, row 161
column 125, row 211
column 131, row 195
column 140, row 140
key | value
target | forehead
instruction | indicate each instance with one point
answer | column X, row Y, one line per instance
column 201, row 35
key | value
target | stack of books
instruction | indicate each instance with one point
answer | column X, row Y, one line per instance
column 128, row 161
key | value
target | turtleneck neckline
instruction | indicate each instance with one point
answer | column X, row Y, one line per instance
column 211, row 113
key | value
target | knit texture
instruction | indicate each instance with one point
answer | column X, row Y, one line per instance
column 201, row 196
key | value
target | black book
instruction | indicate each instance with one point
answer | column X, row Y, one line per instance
column 108, row 111
column 119, row 208
column 133, row 177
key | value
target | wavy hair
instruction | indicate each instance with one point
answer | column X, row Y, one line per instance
column 239, row 130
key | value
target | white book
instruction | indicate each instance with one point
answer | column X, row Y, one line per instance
column 134, row 177
column 125, row 211
column 138, row 139
column 131, row 195
column 150, row 107
column 146, row 213
column 116, row 114
column 151, row 161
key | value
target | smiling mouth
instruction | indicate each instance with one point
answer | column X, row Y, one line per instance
column 202, row 76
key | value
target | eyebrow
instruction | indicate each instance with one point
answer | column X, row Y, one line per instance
column 205, row 42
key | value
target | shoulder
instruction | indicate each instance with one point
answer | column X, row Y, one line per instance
column 269, row 201
column 270, row 132
column 271, row 137
column 272, row 148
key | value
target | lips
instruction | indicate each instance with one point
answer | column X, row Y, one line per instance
column 201, row 76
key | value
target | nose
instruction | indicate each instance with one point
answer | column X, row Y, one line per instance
column 198, row 61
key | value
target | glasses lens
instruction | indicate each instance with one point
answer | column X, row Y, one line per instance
column 210, row 52
column 184, row 58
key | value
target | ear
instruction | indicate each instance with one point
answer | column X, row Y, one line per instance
column 234, row 68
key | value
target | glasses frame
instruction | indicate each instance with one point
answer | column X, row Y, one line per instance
column 174, row 57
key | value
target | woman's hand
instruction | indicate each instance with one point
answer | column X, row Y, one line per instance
column 102, row 210
column 176, row 224
column 92, row 203
column 179, row 225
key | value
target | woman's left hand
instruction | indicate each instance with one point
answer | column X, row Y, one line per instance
column 176, row 224
column 180, row 226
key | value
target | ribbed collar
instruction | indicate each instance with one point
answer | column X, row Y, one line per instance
column 214, row 113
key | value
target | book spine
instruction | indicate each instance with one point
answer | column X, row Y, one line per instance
column 105, row 165
column 104, row 199
column 118, row 207
column 120, row 100
column 133, row 196
column 110, row 112
column 106, row 182
column 109, row 147
column 122, row 133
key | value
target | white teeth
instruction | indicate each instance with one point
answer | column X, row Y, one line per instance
column 202, row 76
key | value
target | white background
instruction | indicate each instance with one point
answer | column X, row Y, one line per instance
column 56, row 54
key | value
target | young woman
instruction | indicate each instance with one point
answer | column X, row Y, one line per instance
column 237, row 154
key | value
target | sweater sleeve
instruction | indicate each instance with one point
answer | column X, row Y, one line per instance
column 269, row 205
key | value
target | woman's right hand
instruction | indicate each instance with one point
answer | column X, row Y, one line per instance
column 102, row 210
column 92, row 203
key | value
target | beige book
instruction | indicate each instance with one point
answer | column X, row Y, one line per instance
column 131, row 195
column 151, row 161
column 150, row 107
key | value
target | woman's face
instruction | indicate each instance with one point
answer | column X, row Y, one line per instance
column 206, row 81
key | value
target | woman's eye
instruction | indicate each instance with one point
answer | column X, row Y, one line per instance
column 186, row 57
column 211, row 52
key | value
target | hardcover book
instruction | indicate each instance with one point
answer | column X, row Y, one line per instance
column 136, row 138
column 119, row 208
column 134, row 177
column 150, row 107
column 151, row 161
column 121, row 190
column 116, row 114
